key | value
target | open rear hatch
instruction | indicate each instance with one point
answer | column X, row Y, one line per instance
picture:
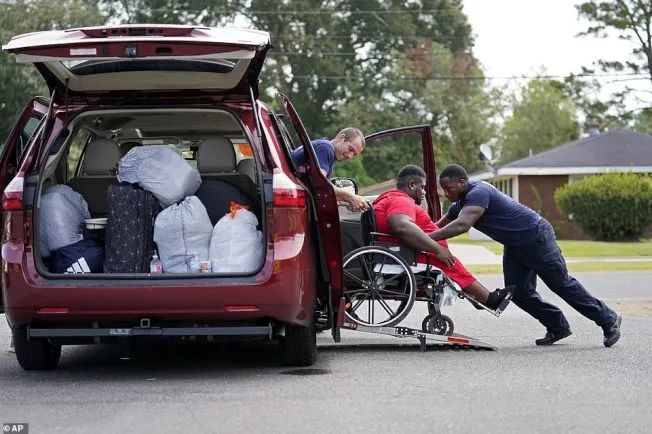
column 146, row 59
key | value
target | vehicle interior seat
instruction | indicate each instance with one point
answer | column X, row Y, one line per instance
column 216, row 162
column 247, row 167
column 98, row 172
column 128, row 146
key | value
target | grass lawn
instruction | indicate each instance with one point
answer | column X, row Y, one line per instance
column 577, row 249
column 575, row 267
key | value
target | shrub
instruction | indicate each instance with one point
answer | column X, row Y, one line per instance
column 615, row 206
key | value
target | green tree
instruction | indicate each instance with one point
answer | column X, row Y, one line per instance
column 630, row 20
column 541, row 118
column 427, row 84
column 21, row 81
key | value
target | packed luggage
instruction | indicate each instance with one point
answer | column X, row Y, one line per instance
column 85, row 256
column 160, row 170
column 154, row 222
column 62, row 212
column 182, row 232
column 236, row 244
column 129, row 243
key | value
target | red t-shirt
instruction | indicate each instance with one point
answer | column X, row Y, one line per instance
column 397, row 202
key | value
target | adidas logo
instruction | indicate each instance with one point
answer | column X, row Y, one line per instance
column 80, row 266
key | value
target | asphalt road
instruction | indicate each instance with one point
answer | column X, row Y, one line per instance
column 364, row 384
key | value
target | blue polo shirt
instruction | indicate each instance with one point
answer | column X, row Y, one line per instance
column 504, row 220
column 325, row 155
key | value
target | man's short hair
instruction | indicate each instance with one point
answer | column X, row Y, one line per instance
column 407, row 174
column 352, row 133
column 454, row 172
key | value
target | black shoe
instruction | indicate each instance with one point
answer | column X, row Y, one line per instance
column 500, row 298
column 612, row 332
column 552, row 337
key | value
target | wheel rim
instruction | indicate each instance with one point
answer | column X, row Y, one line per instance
column 379, row 287
column 440, row 325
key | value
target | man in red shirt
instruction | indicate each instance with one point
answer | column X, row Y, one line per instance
column 398, row 212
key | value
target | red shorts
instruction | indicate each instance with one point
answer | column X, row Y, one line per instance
column 457, row 273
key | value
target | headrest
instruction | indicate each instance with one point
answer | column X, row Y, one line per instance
column 215, row 154
column 248, row 167
column 127, row 146
column 101, row 157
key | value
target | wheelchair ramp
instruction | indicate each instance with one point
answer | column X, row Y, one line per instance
column 455, row 340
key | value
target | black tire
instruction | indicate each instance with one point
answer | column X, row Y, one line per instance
column 411, row 286
column 442, row 325
column 35, row 354
column 299, row 346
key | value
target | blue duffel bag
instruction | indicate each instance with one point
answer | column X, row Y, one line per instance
column 85, row 256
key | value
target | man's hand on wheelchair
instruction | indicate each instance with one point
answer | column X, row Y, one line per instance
column 356, row 203
column 445, row 255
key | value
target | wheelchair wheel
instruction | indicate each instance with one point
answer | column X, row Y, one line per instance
column 439, row 325
column 379, row 285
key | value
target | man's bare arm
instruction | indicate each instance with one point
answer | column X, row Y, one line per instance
column 464, row 221
column 409, row 233
column 443, row 221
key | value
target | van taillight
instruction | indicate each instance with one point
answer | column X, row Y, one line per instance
column 12, row 198
column 289, row 197
column 286, row 192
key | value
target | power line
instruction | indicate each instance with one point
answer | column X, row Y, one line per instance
column 309, row 12
column 454, row 77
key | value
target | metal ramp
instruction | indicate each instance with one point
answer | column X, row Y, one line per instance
column 454, row 340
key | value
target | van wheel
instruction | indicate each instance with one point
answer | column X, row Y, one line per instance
column 299, row 346
column 35, row 353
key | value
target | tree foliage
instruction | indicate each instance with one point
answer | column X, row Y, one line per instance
column 375, row 64
column 610, row 207
column 541, row 118
column 631, row 21
column 19, row 81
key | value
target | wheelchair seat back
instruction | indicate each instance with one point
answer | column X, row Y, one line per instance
column 372, row 238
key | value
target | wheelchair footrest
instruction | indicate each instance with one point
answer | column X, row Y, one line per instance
column 455, row 340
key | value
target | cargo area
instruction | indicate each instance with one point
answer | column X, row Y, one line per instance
column 150, row 193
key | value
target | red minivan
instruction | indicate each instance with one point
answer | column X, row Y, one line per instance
column 185, row 87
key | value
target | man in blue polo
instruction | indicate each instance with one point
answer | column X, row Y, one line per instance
column 347, row 144
column 531, row 250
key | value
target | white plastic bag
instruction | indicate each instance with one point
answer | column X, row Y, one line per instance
column 61, row 214
column 236, row 245
column 160, row 170
column 448, row 297
column 181, row 231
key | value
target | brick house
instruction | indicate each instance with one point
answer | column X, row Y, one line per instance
column 533, row 180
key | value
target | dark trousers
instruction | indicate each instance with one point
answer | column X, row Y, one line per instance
column 542, row 257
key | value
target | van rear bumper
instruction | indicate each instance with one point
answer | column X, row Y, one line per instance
column 286, row 296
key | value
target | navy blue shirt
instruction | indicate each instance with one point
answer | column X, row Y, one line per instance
column 504, row 220
column 325, row 155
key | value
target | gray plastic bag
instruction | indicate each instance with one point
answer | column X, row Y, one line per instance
column 181, row 231
column 160, row 170
column 61, row 214
column 236, row 245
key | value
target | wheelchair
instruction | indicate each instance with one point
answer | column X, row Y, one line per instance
column 382, row 280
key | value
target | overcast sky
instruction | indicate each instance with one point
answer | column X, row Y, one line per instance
column 518, row 37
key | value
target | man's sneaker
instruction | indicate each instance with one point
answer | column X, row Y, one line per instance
column 500, row 298
column 552, row 337
column 612, row 332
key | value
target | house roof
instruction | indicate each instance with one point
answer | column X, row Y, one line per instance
column 615, row 150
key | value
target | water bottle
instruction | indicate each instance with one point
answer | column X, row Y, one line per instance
column 195, row 263
column 155, row 265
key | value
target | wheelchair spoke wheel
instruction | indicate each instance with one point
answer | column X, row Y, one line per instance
column 379, row 286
